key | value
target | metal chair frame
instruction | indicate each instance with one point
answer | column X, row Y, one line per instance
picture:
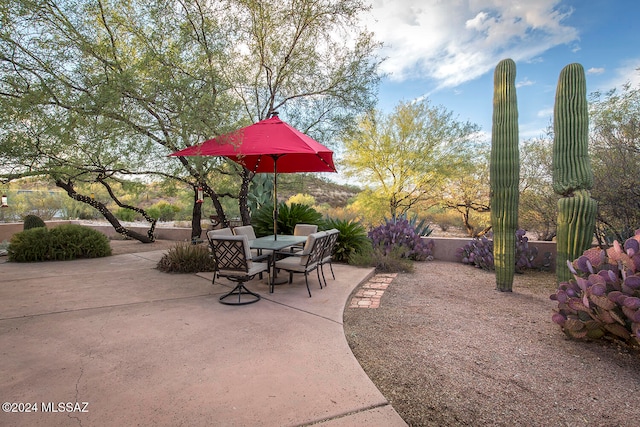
column 232, row 259
column 314, row 256
column 332, row 239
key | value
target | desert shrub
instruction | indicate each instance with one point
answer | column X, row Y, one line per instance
column 124, row 214
column 302, row 199
column 186, row 258
column 65, row 242
column 479, row 253
column 33, row 221
column 602, row 301
column 351, row 240
column 399, row 232
column 383, row 260
column 163, row 211
column 446, row 219
column 288, row 217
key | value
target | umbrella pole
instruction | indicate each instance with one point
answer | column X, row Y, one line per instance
column 275, row 197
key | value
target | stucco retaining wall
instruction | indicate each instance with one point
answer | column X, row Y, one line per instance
column 444, row 250
column 169, row 233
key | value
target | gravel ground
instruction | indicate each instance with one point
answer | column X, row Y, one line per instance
column 447, row 349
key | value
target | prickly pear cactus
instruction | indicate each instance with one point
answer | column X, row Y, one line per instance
column 505, row 173
column 602, row 299
column 572, row 175
column 261, row 192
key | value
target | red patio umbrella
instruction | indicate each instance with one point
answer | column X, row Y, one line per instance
column 271, row 146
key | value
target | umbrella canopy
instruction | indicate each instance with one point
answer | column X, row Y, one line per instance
column 269, row 145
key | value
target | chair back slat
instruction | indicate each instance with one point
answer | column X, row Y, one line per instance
column 316, row 252
column 332, row 239
column 231, row 253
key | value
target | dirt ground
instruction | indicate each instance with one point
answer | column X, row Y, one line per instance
column 447, row 349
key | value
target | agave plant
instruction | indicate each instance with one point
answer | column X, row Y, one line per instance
column 602, row 300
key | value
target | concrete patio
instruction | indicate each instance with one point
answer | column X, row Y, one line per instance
column 142, row 347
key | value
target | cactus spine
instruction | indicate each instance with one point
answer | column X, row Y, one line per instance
column 572, row 175
column 504, row 173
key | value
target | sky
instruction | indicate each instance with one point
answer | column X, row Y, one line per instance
column 447, row 50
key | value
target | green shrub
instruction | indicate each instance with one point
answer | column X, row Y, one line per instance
column 65, row 242
column 33, row 221
column 351, row 240
column 126, row 214
column 163, row 211
column 288, row 217
column 186, row 258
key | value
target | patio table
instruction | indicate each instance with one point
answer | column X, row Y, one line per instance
column 273, row 244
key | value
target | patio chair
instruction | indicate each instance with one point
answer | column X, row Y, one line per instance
column 302, row 230
column 332, row 240
column 306, row 260
column 220, row 232
column 232, row 259
column 249, row 231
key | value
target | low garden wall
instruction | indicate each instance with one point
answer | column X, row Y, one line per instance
column 163, row 233
column 444, row 249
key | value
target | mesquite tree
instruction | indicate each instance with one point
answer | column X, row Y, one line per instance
column 572, row 175
column 118, row 85
column 504, row 173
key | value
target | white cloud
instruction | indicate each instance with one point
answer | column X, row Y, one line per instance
column 548, row 112
column 594, row 70
column 628, row 72
column 452, row 42
column 524, row 82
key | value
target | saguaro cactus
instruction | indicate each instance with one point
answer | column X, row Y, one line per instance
column 572, row 175
column 504, row 173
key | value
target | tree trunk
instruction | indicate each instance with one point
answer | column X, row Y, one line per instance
column 196, row 216
column 216, row 204
column 243, row 200
column 142, row 212
column 68, row 187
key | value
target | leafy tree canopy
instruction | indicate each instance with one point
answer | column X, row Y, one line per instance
column 107, row 88
column 407, row 154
